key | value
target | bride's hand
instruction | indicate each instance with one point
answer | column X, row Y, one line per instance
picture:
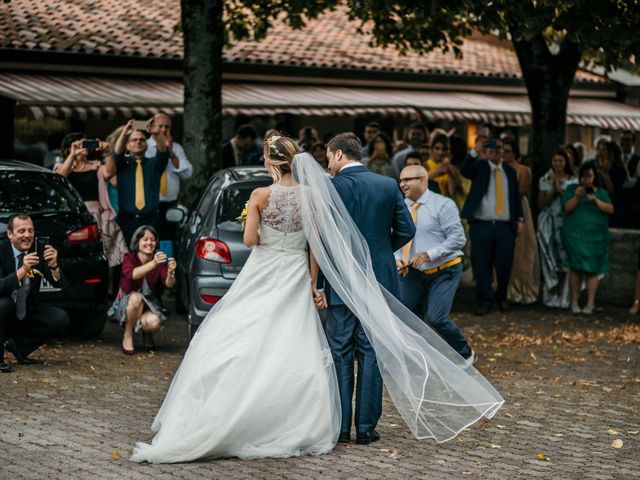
column 320, row 299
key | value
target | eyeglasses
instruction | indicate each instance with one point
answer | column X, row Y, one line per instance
column 137, row 140
column 405, row 180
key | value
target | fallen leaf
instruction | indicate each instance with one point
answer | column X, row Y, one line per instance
column 496, row 446
column 533, row 356
column 558, row 434
column 607, row 389
column 617, row 443
column 501, row 427
column 632, row 432
column 541, row 456
column 116, row 455
column 394, row 455
column 611, row 431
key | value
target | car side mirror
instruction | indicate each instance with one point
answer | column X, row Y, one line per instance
column 176, row 215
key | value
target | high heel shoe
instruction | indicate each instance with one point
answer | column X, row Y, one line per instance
column 635, row 307
column 127, row 351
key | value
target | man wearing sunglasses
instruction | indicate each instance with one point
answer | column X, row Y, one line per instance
column 430, row 266
column 139, row 179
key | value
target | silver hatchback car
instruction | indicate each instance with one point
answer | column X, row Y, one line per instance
column 210, row 251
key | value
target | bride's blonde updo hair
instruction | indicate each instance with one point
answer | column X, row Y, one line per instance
column 278, row 155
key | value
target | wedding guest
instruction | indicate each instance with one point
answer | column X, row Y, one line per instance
column 145, row 274
column 440, row 168
column 178, row 169
column 524, row 285
column 112, row 183
column 458, row 148
column 26, row 322
column 430, row 265
column 585, row 234
column 307, row 137
column 139, row 179
column 319, row 152
column 631, row 188
column 380, row 156
column 370, row 131
column 614, row 175
column 90, row 177
column 241, row 148
column 416, row 158
column 416, row 135
column 575, row 158
column 554, row 260
column 494, row 210
column 635, row 307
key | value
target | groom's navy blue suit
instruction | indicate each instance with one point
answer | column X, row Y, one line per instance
column 379, row 211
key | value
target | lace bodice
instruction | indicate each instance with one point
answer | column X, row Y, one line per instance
column 283, row 212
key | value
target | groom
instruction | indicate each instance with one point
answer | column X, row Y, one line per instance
column 379, row 211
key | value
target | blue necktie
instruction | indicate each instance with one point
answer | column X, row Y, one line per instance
column 22, row 293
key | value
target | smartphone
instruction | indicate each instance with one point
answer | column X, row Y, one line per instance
column 589, row 190
column 91, row 145
column 41, row 243
column 140, row 125
column 166, row 246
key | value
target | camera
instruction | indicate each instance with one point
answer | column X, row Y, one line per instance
column 589, row 190
column 93, row 148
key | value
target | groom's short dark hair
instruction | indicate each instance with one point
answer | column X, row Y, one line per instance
column 349, row 143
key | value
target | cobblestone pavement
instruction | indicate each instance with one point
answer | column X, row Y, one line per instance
column 571, row 384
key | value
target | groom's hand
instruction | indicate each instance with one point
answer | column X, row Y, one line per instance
column 320, row 299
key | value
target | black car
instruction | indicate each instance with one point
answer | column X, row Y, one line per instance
column 59, row 213
column 210, row 249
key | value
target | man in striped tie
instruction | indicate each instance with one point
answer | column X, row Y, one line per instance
column 179, row 168
column 139, row 179
column 494, row 210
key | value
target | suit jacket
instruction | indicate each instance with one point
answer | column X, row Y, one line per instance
column 251, row 156
column 632, row 166
column 9, row 278
column 379, row 211
column 479, row 172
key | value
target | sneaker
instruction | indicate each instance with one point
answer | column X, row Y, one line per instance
column 471, row 361
column 575, row 309
column 588, row 309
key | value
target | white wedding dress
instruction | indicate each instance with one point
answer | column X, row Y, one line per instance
column 258, row 378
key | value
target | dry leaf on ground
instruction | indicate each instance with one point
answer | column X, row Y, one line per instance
column 617, row 443
column 116, row 455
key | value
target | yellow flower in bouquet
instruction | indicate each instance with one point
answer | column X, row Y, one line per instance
column 242, row 219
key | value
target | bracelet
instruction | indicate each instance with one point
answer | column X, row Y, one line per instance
column 54, row 268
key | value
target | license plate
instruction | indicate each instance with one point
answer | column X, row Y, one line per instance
column 45, row 286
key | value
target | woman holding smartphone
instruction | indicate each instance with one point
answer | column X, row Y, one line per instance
column 585, row 234
column 145, row 274
column 89, row 176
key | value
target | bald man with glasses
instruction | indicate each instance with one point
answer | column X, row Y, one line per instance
column 430, row 266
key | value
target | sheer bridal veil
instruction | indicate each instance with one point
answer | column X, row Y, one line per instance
column 424, row 376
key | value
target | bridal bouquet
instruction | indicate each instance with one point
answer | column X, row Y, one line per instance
column 242, row 219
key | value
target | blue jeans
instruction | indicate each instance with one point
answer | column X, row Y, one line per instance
column 432, row 295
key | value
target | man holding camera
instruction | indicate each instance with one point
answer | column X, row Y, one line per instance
column 24, row 321
column 139, row 179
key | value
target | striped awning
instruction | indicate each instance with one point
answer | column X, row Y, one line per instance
column 39, row 96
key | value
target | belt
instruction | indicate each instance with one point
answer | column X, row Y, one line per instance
column 492, row 222
column 448, row 264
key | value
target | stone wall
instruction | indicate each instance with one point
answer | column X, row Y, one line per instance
column 618, row 287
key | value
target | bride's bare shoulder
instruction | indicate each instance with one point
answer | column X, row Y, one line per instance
column 260, row 196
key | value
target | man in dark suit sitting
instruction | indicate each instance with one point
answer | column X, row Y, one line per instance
column 494, row 210
column 25, row 321
column 242, row 148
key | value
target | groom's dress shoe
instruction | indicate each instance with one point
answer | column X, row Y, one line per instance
column 4, row 368
column 345, row 437
column 10, row 346
column 367, row 438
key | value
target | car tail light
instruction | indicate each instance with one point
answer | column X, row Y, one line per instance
column 84, row 234
column 212, row 299
column 213, row 250
column 89, row 281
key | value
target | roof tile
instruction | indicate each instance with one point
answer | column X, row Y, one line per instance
column 145, row 28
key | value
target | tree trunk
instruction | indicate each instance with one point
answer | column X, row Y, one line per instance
column 203, row 33
column 548, row 79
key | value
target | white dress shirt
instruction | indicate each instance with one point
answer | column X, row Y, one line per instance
column 174, row 175
column 439, row 231
column 487, row 208
column 349, row 165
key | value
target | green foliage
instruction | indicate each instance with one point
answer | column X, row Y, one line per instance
column 606, row 32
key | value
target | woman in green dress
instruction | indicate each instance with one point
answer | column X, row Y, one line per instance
column 585, row 234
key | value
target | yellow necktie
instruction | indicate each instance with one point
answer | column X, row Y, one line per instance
column 139, row 185
column 407, row 248
column 163, row 183
column 499, row 193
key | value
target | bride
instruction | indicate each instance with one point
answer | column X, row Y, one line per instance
column 258, row 377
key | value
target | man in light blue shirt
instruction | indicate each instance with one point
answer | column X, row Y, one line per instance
column 430, row 266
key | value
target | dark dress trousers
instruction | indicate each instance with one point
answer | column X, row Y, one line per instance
column 42, row 322
column 492, row 243
column 378, row 210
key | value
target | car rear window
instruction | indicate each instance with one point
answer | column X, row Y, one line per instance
column 35, row 192
column 233, row 201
